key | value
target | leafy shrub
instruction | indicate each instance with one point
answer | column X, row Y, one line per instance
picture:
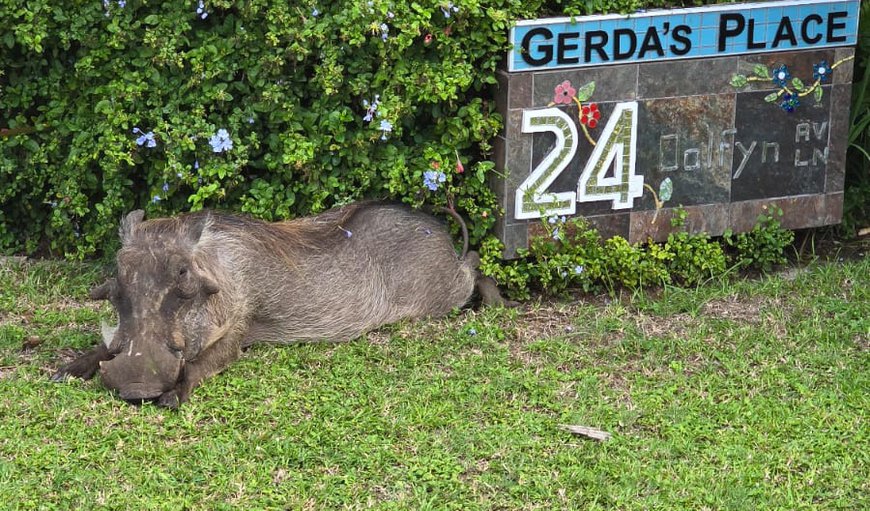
column 856, row 200
column 110, row 105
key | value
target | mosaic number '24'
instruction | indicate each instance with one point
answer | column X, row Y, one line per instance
column 617, row 147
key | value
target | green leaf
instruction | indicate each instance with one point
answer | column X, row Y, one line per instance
column 770, row 98
column 818, row 94
column 585, row 92
column 666, row 189
column 762, row 71
column 103, row 107
column 797, row 83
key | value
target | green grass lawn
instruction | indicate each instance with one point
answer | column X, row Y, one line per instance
column 742, row 395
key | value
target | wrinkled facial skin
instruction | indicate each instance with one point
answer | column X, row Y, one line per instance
column 160, row 301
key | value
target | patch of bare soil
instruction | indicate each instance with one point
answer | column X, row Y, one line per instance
column 675, row 325
column 735, row 309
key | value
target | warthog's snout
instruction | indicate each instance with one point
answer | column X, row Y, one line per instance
column 136, row 378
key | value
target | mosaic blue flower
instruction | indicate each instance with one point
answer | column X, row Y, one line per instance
column 789, row 102
column 220, row 142
column 822, row 71
column 432, row 179
column 781, row 76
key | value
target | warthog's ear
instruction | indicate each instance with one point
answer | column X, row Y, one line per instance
column 129, row 223
column 103, row 291
column 196, row 228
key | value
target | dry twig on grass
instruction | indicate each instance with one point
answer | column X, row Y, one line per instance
column 594, row 434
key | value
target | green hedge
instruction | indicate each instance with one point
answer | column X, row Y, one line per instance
column 107, row 106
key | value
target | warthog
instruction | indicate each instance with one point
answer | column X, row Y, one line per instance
column 192, row 291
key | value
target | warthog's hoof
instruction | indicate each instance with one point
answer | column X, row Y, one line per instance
column 170, row 400
column 82, row 367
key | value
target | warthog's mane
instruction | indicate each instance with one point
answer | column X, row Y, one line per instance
column 216, row 228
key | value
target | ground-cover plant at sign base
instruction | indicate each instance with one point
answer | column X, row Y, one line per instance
column 571, row 254
column 735, row 394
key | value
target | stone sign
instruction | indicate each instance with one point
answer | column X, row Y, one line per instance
column 722, row 111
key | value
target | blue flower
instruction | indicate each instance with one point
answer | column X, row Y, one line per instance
column 146, row 139
column 371, row 108
column 822, row 71
column 578, row 269
column 556, row 234
column 315, row 13
column 200, row 9
column 386, row 127
column 472, row 331
column 385, row 31
column 347, row 233
column 220, row 142
column 196, row 164
column 781, row 76
column 449, row 9
column 789, row 102
column 165, row 187
column 432, row 179
column 156, row 199
column 122, row 3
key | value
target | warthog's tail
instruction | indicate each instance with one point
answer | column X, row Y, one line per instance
column 452, row 212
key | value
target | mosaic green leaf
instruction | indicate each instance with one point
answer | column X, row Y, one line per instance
column 666, row 189
column 797, row 83
column 738, row 81
column 818, row 94
column 585, row 92
column 770, row 98
column 762, row 71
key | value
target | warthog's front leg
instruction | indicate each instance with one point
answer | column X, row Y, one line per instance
column 86, row 365
column 209, row 362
